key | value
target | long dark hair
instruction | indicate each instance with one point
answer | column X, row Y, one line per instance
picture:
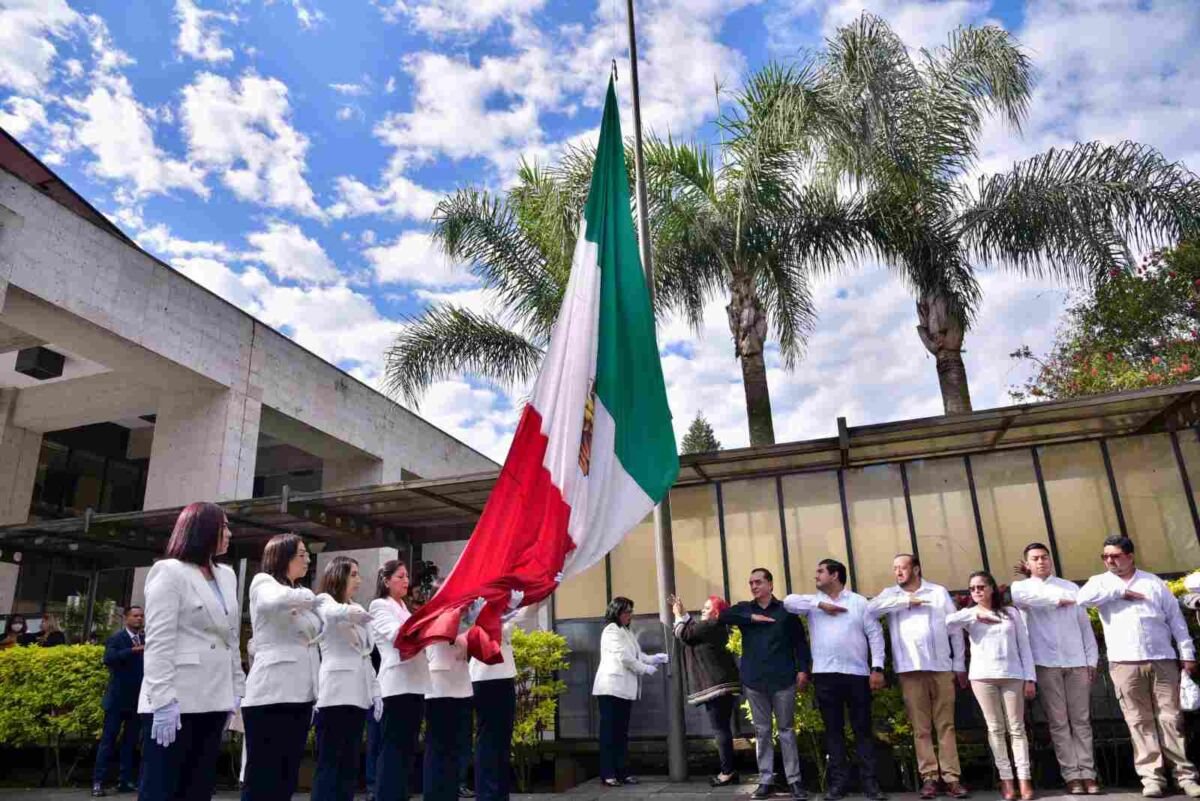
column 386, row 571
column 197, row 533
column 280, row 551
column 336, row 577
column 8, row 630
column 617, row 607
column 999, row 597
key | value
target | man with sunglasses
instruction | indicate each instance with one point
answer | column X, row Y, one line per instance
column 1140, row 618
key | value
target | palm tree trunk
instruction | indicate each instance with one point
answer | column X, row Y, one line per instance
column 941, row 332
column 748, row 324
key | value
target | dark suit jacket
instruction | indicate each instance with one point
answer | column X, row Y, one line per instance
column 125, row 673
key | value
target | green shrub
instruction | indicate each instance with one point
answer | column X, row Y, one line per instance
column 537, row 655
column 52, row 696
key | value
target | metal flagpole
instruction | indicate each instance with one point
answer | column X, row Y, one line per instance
column 664, row 550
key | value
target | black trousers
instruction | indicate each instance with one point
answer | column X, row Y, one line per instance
column 466, row 741
column 495, row 710
column 614, row 735
column 186, row 770
column 339, row 735
column 398, row 733
column 835, row 693
column 374, row 742
column 720, row 720
column 443, row 734
column 122, row 723
column 275, row 738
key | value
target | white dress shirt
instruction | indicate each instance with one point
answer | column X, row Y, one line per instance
column 449, row 675
column 840, row 642
column 998, row 650
column 507, row 669
column 408, row 677
column 920, row 639
column 1137, row 631
column 1060, row 636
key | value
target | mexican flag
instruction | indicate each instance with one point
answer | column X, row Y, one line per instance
column 594, row 450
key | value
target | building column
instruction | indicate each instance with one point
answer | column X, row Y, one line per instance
column 205, row 445
column 19, row 452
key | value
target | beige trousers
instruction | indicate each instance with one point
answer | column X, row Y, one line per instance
column 1149, row 697
column 1003, row 705
column 929, row 702
column 1066, row 698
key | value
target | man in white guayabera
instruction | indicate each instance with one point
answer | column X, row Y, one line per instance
column 1065, row 655
column 1140, row 618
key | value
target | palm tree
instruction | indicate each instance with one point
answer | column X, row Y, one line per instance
column 746, row 228
column 904, row 130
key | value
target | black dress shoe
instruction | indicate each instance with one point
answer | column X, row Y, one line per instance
column 798, row 791
column 126, row 787
column 835, row 794
column 630, row 780
column 611, row 782
column 761, row 791
column 717, row 781
column 98, row 791
column 465, row 792
column 874, row 794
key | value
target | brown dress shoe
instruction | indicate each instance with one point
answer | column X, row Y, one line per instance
column 929, row 789
column 1092, row 787
column 1006, row 790
column 1026, row 789
column 1075, row 787
column 957, row 790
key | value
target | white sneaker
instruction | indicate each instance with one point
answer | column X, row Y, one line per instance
column 1191, row 788
column 1152, row 790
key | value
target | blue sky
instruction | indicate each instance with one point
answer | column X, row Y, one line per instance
column 287, row 154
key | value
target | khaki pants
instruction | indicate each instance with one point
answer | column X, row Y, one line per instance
column 1149, row 696
column 929, row 702
column 1003, row 704
column 1066, row 698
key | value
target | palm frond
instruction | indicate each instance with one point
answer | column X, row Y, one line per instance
column 446, row 341
column 1079, row 212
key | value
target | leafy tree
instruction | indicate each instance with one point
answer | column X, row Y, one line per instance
column 1137, row 329
column 700, row 437
column 537, row 656
column 730, row 220
column 903, row 128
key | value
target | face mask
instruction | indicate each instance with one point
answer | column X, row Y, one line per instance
column 18, row 626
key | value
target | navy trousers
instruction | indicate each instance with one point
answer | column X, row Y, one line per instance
column 186, row 770
column 275, row 738
column 125, row 725
column 835, row 693
column 614, row 735
column 398, row 733
column 495, row 710
column 339, row 735
column 443, row 736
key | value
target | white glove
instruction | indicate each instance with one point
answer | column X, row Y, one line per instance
column 237, row 705
column 472, row 613
column 651, row 670
column 377, row 702
column 166, row 723
column 514, row 600
column 558, row 577
column 660, row 659
column 359, row 616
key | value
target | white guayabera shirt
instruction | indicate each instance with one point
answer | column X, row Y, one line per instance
column 1137, row 631
column 840, row 642
column 920, row 640
column 1061, row 636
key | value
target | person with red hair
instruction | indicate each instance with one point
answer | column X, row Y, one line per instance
column 712, row 675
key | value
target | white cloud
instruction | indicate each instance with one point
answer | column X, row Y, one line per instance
column 200, row 32
column 23, row 115
column 390, row 86
column 241, row 289
column 413, row 258
column 158, row 239
column 308, row 16
column 344, row 113
column 28, row 29
column 439, row 17
column 285, row 249
column 349, row 89
column 398, row 197
column 482, row 417
column 243, row 128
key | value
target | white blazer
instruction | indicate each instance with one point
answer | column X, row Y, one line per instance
column 449, row 676
column 507, row 669
column 347, row 678
column 622, row 664
column 396, row 677
column 287, row 659
column 192, row 651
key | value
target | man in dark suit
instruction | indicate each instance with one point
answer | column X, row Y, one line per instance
column 123, row 654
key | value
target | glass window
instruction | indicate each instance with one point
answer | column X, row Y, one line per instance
column 696, row 536
column 1157, row 516
column 752, row 535
column 1189, row 447
column 585, row 595
column 1009, row 505
column 878, row 524
column 1081, row 505
column 947, row 538
column 635, row 569
column 812, row 515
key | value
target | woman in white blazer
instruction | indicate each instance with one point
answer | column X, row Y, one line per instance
column 282, row 685
column 347, row 686
column 495, row 692
column 193, row 667
column 403, row 683
column 617, row 685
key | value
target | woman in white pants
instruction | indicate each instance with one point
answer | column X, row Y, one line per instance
column 347, row 686
column 193, row 667
column 403, row 684
column 282, row 685
column 1002, row 677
